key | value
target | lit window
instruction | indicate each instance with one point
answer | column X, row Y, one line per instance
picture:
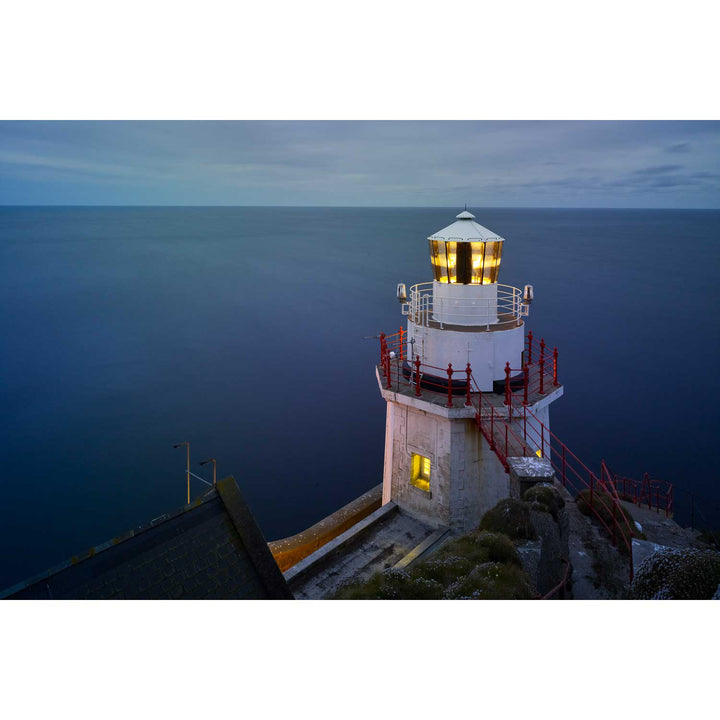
column 466, row 263
column 420, row 476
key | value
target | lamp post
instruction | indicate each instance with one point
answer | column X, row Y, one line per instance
column 187, row 446
column 212, row 460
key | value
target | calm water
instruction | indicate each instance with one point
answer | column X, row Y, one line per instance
column 125, row 330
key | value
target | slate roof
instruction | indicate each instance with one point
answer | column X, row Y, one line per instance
column 210, row 549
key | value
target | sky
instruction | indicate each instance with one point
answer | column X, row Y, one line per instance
column 652, row 164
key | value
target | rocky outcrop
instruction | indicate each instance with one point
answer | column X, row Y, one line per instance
column 547, row 559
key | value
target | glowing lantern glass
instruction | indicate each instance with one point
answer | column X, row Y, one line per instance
column 466, row 263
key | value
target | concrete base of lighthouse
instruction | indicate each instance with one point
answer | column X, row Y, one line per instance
column 466, row 477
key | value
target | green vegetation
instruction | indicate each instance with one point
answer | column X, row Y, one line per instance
column 478, row 566
column 677, row 574
column 602, row 503
column 492, row 581
column 392, row 585
column 544, row 497
column 510, row 517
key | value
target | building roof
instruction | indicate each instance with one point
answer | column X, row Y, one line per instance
column 210, row 549
column 465, row 229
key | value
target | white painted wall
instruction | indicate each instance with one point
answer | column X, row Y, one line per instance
column 465, row 304
column 487, row 352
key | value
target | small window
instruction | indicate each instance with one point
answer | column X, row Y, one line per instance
column 420, row 476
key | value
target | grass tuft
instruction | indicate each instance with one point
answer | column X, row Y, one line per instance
column 510, row 517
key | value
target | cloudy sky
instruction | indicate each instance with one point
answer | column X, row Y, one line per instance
column 653, row 164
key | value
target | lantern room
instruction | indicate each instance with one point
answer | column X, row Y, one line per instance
column 465, row 253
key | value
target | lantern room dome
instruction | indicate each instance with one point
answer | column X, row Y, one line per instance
column 465, row 229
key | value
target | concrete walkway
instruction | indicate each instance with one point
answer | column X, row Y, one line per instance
column 378, row 547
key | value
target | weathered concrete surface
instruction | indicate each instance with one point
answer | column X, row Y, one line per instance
column 663, row 531
column 466, row 477
column 307, row 566
column 528, row 471
column 377, row 548
column 291, row 550
column 426, row 547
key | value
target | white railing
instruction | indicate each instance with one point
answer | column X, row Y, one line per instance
column 423, row 309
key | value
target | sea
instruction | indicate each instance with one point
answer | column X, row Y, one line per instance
column 251, row 333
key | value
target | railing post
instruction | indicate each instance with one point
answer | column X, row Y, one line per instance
column 449, row 374
column 530, row 342
column 507, row 384
column 385, row 359
column 417, row 376
column 402, row 344
column 468, row 372
column 526, row 372
column 555, row 355
column 525, row 425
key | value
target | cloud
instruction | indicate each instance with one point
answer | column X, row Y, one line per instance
column 658, row 169
column 360, row 163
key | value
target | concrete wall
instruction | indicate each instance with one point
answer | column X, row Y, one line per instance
column 536, row 436
column 466, row 477
column 291, row 550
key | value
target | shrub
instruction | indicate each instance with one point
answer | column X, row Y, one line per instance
column 466, row 546
column 677, row 574
column 445, row 569
column 510, row 517
column 499, row 547
column 547, row 497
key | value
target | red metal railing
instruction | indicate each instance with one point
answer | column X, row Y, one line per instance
column 656, row 494
column 514, row 430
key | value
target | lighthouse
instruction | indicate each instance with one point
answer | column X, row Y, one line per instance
column 467, row 386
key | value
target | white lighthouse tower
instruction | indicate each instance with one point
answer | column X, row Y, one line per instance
column 467, row 392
